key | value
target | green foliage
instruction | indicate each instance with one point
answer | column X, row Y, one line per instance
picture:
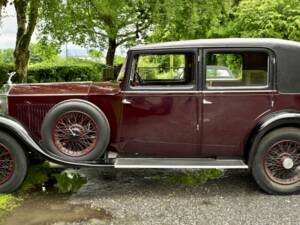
column 96, row 23
column 119, row 60
column 68, row 182
column 37, row 176
column 192, row 177
column 42, row 51
column 185, row 19
column 8, row 202
column 271, row 18
column 65, row 70
column 4, row 70
column 7, row 56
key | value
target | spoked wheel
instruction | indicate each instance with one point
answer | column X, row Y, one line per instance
column 75, row 133
column 13, row 163
column 282, row 162
column 76, row 130
column 276, row 164
column 7, row 164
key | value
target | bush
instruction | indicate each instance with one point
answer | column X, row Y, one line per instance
column 4, row 70
column 67, row 70
column 60, row 71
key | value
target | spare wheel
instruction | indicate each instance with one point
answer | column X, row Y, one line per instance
column 76, row 130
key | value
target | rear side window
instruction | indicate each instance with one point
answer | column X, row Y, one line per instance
column 164, row 69
column 236, row 69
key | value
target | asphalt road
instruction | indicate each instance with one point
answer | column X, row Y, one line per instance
column 136, row 197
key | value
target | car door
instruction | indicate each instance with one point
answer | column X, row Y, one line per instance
column 160, row 104
column 237, row 92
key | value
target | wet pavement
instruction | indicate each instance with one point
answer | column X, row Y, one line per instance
column 142, row 197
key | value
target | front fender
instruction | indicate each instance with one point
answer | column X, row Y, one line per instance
column 15, row 128
column 267, row 124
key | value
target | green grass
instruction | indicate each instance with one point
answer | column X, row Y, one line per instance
column 8, row 202
column 193, row 177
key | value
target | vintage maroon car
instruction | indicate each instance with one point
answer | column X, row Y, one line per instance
column 224, row 103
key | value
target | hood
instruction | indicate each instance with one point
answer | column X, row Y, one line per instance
column 69, row 88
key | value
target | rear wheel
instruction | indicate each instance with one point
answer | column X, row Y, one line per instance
column 13, row 163
column 276, row 164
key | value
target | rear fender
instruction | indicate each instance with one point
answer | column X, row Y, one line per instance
column 267, row 124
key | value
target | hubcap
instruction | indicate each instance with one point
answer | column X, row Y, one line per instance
column 7, row 164
column 75, row 134
column 287, row 163
column 282, row 162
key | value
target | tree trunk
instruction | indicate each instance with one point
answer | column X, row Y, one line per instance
column 108, row 73
column 21, row 64
column 110, row 56
column 27, row 14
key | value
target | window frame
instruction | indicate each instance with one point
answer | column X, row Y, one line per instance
column 270, row 72
column 163, row 88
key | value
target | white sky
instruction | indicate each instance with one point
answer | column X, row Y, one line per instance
column 8, row 28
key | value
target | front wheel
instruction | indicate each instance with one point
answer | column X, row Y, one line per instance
column 13, row 163
column 276, row 163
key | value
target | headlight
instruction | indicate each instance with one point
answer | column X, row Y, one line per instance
column 3, row 99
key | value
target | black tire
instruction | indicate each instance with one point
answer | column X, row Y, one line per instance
column 97, row 120
column 277, row 141
column 20, row 163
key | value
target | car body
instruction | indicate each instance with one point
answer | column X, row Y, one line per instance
column 164, row 112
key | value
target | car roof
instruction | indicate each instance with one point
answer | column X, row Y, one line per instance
column 270, row 43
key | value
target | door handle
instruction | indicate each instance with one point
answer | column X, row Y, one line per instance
column 206, row 102
column 126, row 101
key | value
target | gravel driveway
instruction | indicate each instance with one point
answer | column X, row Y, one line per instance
column 134, row 197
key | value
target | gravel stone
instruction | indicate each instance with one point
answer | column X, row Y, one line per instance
column 137, row 197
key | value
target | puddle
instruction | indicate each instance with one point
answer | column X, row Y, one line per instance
column 44, row 209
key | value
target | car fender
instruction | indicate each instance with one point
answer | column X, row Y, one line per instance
column 268, row 123
column 16, row 129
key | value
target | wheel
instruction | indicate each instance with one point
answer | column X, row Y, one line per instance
column 13, row 164
column 276, row 163
column 76, row 130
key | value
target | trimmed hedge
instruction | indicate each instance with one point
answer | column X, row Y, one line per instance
column 73, row 70
column 69, row 71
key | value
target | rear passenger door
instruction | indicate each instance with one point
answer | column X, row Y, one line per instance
column 237, row 91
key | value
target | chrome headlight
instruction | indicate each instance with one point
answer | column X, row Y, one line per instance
column 3, row 99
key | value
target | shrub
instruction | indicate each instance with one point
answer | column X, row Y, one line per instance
column 69, row 182
column 67, row 70
column 4, row 70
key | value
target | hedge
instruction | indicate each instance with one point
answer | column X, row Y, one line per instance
column 58, row 72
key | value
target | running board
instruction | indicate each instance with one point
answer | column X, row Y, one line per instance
column 180, row 163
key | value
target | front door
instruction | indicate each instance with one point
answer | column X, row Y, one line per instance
column 160, row 105
column 237, row 93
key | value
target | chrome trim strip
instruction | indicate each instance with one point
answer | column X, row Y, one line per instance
column 67, row 94
column 178, row 167
column 199, row 92
column 180, row 163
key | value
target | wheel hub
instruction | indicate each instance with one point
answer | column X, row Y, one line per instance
column 287, row 163
column 7, row 164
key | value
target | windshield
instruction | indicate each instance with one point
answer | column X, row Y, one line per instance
column 122, row 71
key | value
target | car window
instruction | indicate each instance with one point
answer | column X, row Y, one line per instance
column 234, row 70
column 162, row 70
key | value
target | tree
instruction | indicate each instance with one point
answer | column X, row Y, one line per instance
column 271, row 18
column 101, row 24
column 43, row 51
column 27, row 14
column 186, row 19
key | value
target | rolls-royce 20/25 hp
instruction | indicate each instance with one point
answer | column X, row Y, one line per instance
column 223, row 103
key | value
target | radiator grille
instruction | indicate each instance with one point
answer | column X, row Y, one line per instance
column 32, row 116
